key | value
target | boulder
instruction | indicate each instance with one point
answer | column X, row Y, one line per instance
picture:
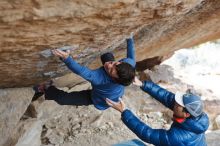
column 13, row 104
column 29, row 29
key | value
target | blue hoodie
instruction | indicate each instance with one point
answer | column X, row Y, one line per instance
column 102, row 84
column 189, row 133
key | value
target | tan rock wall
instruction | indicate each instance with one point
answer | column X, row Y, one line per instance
column 95, row 26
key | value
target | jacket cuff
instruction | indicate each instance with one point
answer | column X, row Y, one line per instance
column 130, row 38
column 143, row 85
column 67, row 59
column 125, row 114
column 147, row 86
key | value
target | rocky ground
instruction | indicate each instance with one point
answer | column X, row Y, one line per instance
column 85, row 125
column 46, row 123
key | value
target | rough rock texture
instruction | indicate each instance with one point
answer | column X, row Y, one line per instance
column 93, row 27
column 217, row 122
column 31, row 135
column 13, row 104
column 46, row 123
column 213, row 138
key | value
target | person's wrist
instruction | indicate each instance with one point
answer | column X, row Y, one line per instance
column 66, row 57
column 122, row 110
column 142, row 84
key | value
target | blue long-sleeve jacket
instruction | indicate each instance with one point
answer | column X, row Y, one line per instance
column 188, row 133
column 102, row 84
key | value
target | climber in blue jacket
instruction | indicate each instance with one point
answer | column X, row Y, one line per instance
column 107, row 81
column 189, row 120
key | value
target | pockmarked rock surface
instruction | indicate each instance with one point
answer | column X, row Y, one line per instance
column 30, row 28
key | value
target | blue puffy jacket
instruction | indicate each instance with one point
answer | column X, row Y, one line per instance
column 102, row 84
column 188, row 133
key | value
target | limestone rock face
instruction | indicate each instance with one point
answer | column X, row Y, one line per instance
column 32, row 134
column 213, row 138
column 13, row 104
column 30, row 28
column 217, row 122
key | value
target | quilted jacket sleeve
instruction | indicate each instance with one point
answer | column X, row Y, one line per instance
column 160, row 94
column 157, row 137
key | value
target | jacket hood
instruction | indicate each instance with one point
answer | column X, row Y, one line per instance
column 197, row 125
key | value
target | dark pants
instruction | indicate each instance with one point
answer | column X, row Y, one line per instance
column 64, row 98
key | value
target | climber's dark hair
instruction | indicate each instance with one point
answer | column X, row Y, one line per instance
column 126, row 74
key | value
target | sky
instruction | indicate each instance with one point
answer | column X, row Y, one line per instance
column 198, row 66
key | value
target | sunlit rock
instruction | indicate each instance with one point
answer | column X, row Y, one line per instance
column 31, row 27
